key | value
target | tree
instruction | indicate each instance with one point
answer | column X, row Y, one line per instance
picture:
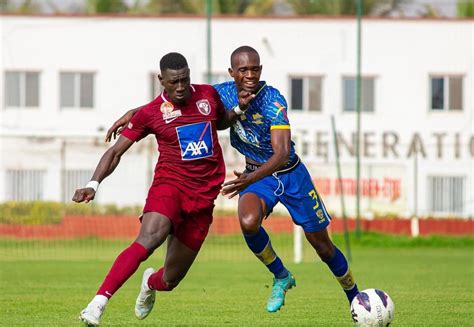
column 105, row 6
column 390, row 8
column 174, row 7
column 260, row 8
column 242, row 7
column 429, row 11
column 465, row 8
column 219, row 7
column 24, row 7
column 4, row 5
column 345, row 7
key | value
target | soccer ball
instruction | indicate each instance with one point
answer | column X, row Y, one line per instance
column 372, row 308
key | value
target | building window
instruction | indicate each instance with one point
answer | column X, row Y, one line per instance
column 306, row 93
column 77, row 90
column 446, row 93
column 24, row 185
column 155, row 86
column 21, row 89
column 74, row 179
column 446, row 194
column 367, row 100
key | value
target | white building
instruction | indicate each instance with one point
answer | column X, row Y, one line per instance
column 64, row 80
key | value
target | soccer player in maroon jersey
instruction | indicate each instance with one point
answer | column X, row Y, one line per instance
column 187, row 180
column 273, row 174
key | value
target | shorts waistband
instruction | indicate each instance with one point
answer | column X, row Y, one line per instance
column 250, row 167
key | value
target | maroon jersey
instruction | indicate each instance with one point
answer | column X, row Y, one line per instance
column 190, row 154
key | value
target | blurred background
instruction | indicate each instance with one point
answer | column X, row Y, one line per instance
column 395, row 75
column 380, row 99
column 372, row 8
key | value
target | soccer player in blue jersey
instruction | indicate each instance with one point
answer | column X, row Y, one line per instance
column 274, row 173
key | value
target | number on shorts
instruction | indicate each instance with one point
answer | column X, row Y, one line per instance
column 319, row 213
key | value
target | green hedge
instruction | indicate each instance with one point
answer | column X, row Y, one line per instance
column 42, row 213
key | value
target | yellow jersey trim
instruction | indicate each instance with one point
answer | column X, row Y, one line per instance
column 280, row 127
column 260, row 90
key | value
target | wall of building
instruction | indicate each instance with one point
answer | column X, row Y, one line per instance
column 401, row 134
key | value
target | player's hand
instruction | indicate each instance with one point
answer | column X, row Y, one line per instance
column 119, row 125
column 235, row 186
column 245, row 97
column 84, row 195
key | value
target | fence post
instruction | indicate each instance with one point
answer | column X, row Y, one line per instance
column 414, row 226
column 297, row 244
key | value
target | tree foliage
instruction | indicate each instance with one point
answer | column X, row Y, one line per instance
column 219, row 7
column 345, row 7
column 173, row 7
column 466, row 8
column 105, row 6
column 24, row 7
column 429, row 11
column 242, row 7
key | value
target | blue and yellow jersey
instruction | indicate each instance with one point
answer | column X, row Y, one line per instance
column 250, row 134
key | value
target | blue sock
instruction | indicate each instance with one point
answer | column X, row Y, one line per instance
column 261, row 246
column 340, row 268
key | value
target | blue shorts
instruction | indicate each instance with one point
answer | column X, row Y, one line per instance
column 295, row 190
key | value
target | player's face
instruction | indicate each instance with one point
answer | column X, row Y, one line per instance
column 246, row 70
column 176, row 84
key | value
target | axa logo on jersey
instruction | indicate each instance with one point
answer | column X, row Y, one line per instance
column 196, row 148
column 195, row 140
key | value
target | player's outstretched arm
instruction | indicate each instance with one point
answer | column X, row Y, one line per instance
column 120, row 124
column 232, row 115
column 228, row 119
column 105, row 167
column 281, row 145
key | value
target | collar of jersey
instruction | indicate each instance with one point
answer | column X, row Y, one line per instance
column 261, row 88
column 166, row 100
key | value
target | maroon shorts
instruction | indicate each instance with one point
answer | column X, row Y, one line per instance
column 191, row 216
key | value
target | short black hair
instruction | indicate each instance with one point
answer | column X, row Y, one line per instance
column 243, row 48
column 173, row 60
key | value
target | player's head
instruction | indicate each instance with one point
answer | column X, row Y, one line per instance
column 245, row 68
column 174, row 77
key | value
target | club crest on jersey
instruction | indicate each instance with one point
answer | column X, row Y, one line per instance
column 195, row 140
column 169, row 114
column 166, row 107
column 204, row 107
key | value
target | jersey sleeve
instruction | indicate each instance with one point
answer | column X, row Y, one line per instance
column 277, row 112
column 137, row 128
column 220, row 109
column 223, row 89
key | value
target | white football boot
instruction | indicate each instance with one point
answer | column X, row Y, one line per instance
column 146, row 297
column 94, row 310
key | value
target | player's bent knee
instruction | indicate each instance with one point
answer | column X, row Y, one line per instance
column 149, row 241
column 249, row 224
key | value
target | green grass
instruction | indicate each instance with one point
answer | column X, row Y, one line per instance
column 430, row 280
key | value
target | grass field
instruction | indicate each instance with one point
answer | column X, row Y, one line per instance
column 430, row 280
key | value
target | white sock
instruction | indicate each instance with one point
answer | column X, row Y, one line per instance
column 101, row 299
